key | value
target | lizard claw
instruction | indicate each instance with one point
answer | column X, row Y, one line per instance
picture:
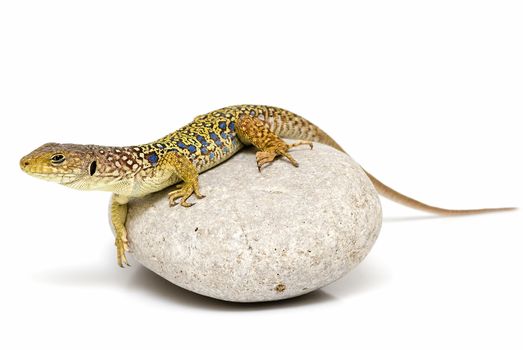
column 184, row 191
column 267, row 157
column 263, row 158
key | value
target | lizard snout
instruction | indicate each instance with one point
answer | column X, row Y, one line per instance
column 24, row 163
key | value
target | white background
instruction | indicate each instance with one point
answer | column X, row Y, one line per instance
column 426, row 95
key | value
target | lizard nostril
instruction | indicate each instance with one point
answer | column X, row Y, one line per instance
column 24, row 163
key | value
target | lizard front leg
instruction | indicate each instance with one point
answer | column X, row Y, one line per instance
column 254, row 131
column 185, row 170
column 118, row 217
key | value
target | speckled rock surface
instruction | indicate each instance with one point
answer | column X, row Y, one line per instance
column 260, row 237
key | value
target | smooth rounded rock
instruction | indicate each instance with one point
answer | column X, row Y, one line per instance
column 261, row 236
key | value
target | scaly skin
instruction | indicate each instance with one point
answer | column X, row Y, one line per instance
column 135, row 171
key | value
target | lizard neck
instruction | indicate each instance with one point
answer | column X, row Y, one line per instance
column 124, row 170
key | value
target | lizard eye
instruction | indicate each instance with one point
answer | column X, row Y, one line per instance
column 57, row 158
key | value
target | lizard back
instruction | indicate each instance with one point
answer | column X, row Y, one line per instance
column 211, row 138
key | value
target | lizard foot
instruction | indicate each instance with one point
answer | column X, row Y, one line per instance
column 263, row 158
column 267, row 157
column 122, row 246
column 300, row 143
column 252, row 130
column 184, row 191
column 281, row 149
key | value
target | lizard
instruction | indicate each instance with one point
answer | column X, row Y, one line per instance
column 178, row 158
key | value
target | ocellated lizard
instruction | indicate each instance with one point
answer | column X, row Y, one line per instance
column 179, row 157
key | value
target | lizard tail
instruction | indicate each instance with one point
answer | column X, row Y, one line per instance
column 290, row 125
column 397, row 197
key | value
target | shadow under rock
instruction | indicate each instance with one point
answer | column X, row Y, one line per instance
column 100, row 273
column 364, row 278
column 158, row 287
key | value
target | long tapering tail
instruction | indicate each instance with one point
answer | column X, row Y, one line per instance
column 397, row 197
column 290, row 125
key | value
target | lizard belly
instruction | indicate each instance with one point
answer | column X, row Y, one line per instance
column 152, row 184
column 219, row 155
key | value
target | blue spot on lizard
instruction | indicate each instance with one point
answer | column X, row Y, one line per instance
column 201, row 139
column 153, row 158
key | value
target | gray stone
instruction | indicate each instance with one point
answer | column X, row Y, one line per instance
column 261, row 236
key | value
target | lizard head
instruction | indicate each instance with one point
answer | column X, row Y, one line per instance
column 67, row 164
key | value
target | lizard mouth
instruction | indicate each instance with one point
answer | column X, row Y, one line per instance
column 64, row 179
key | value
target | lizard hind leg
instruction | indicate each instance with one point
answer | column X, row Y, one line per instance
column 254, row 131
